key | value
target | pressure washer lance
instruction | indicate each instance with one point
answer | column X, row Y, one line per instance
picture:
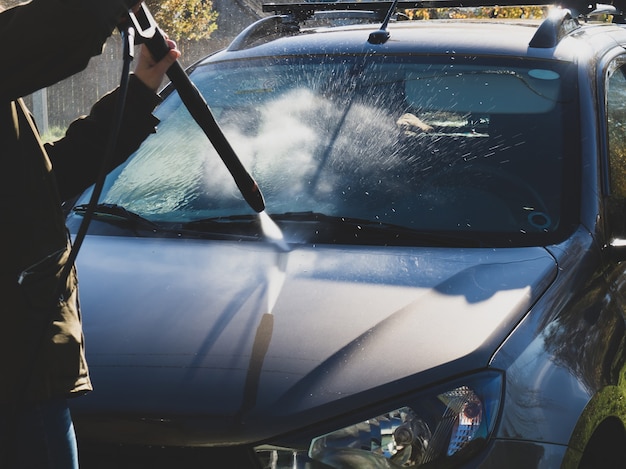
column 147, row 32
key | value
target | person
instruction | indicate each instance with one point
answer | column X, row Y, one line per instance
column 42, row 358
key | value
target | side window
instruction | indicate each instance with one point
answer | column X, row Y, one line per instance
column 616, row 127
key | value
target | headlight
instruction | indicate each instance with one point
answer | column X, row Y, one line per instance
column 443, row 425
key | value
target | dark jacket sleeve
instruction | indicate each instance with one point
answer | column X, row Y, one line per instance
column 76, row 158
column 45, row 41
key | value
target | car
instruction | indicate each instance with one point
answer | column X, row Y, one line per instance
column 435, row 277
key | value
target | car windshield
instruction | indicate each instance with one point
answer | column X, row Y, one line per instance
column 470, row 146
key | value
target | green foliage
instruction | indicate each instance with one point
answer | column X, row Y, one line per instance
column 53, row 134
column 180, row 19
column 617, row 152
column 533, row 12
column 184, row 19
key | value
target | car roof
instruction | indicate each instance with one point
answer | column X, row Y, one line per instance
column 562, row 37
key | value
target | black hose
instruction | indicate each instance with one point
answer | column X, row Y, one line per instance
column 128, row 36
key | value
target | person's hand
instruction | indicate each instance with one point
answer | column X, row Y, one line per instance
column 151, row 73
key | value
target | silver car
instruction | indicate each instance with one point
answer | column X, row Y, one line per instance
column 435, row 281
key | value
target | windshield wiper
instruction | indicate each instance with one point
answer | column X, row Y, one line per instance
column 317, row 227
column 353, row 230
column 223, row 220
column 114, row 213
column 243, row 227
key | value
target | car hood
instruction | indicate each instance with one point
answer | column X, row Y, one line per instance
column 202, row 342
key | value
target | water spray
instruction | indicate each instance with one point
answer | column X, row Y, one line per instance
column 148, row 33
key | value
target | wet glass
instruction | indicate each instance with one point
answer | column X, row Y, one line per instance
column 440, row 144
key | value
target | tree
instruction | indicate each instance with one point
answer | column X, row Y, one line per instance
column 184, row 19
column 181, row 19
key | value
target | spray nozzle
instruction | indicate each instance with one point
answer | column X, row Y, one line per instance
column 147, row 32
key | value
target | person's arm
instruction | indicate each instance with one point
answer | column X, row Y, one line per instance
column 45, row 41
column 77, row 157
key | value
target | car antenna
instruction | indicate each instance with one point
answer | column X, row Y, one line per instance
column 382, row 35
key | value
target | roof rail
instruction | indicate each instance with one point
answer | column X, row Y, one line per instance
column 305, row 10
column 287, row 16
column 263, row 30
column 556, row 26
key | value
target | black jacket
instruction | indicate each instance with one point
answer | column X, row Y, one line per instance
column 41, row 343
